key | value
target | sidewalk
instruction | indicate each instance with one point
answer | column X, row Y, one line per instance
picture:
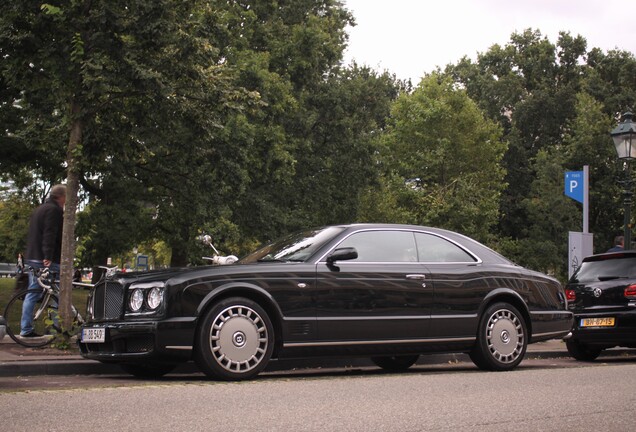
column 16, row 360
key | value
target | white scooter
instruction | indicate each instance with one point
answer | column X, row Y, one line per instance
column 217, row 259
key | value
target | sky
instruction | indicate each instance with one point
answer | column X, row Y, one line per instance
column 412, row 37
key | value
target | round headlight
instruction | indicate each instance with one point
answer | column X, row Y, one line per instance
column 90, row 305
column 136, row 300
column 154, row 297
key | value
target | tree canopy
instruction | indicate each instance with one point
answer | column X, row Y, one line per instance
column 237, row 118
column 442, row 157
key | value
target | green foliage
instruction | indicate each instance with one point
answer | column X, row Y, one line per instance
column 587, row 142
column 550, row 216
column 237, row 119
column 14, row 219
column 439, row 136
column 556, row 104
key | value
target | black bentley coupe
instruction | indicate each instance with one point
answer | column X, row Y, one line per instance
column 388, row 292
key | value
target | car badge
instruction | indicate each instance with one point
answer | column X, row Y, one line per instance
column 597, row 292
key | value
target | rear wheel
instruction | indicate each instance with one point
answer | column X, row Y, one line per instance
column 235, row 341
column 582, row 352
column 44, row 316
column 395, row 363
column 501, row 338
column 147, row 370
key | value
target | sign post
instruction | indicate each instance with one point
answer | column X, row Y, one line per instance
column 580, row 244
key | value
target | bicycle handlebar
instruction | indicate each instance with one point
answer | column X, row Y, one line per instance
column 43, row 275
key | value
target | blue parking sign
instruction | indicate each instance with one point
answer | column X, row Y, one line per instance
column 142, row 261
column 574, row 185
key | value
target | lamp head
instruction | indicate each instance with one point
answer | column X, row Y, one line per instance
column 624, row 136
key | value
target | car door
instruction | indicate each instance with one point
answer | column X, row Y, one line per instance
column 458, row 278
column 382, row 295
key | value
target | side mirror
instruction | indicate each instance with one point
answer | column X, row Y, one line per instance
column 342, row 254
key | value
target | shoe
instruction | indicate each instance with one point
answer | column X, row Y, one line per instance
column 31, row 335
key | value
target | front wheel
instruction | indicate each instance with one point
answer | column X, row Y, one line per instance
column 581, row 351
column 235, row 340
column 44, row 317
column 501, row 338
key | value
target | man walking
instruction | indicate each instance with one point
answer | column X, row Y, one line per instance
column 44, row 249
column 618, row 244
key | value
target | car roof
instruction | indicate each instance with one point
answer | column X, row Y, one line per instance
column 480, row 250
column 611, row 255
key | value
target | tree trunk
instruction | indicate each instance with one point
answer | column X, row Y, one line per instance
column 179, row 256
column 68, row 233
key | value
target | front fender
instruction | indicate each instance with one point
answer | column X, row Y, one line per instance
column 240, row 289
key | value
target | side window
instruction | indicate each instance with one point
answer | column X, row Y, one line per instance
column 383, row 246
column 432, row 248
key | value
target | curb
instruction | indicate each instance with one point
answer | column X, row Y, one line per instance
column 15, row 361
column 57, row 367
column 79, row 366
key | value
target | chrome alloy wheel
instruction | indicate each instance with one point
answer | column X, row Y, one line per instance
column 505, row 336
column 238, row 339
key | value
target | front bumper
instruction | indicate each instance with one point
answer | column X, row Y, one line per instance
column 623, row 333
column 168, row 341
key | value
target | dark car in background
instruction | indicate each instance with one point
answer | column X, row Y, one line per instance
column 388, row 292
column 602, row 296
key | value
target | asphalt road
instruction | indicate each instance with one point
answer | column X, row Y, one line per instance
column 550, row 394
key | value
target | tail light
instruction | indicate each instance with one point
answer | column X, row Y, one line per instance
column 630, row 292
column 570, row 295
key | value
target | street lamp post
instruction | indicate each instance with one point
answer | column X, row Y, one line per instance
column 624, row 136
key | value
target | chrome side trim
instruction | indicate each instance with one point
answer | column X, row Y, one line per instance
column 371, row 342
column 179, row 347
column 388, row 317
column 550, row 313
column 373, row 318
column 555, row 333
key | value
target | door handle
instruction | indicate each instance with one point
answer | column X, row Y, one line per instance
column 416, row 276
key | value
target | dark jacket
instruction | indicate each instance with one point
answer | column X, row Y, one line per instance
column 45, row 233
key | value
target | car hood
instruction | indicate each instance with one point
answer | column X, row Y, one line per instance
column 179, row 275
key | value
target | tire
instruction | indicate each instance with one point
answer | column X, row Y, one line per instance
column 147, row 370
column 42, row 325
column 395, row 363
column 235, row 340
column 502, row 338
column 582, row 352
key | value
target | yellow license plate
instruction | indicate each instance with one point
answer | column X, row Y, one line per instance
column 597, row 322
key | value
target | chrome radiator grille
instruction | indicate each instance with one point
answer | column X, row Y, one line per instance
column 108, row 300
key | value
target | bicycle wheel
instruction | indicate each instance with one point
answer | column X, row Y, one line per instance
column 44, row 318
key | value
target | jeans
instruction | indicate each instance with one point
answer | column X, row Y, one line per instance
column 31, row 299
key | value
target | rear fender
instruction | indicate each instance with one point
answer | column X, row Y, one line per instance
column 507, row 295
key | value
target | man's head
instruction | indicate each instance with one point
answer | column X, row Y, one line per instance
column 619, row 240
column 58, row 194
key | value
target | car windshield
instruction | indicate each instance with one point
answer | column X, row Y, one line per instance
column 606, row 269
column 298, row 247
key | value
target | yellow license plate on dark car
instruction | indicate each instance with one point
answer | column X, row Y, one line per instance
column 597, row 322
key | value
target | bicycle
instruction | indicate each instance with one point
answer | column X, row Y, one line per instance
column 45, row 313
